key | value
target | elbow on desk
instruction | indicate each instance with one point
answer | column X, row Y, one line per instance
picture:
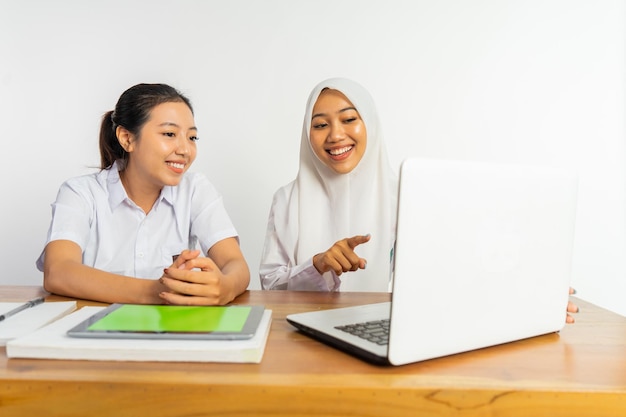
column 53, row 280
column 57, row 278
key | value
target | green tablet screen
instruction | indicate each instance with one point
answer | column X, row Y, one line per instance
column 164, row 319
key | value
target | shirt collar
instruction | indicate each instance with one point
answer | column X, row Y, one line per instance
column 117, row 192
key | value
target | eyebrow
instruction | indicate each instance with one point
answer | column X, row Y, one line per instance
column 175, row 125
column 340, row 111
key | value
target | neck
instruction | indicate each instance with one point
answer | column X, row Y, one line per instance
column 144, row 195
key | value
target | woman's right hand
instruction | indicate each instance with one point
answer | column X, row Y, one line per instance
column 341, row 257
column 181, row 260
column 215, row 279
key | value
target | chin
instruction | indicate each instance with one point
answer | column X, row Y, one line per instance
column 343, row 170
column 172, row 182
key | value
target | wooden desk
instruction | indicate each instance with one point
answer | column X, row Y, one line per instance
column 579, row 372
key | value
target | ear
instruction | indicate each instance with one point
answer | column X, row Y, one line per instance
column 125, row 138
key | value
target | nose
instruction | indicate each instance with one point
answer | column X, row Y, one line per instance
column 184, row 146
column 336, row 133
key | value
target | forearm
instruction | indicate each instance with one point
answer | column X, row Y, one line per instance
column 237, row 277
column 74, row 279
column 300, row 277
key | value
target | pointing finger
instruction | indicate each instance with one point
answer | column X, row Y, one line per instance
column 355, row 241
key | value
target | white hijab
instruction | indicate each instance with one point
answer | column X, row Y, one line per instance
column 331, row 207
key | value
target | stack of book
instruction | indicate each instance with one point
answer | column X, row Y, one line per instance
column 52, row 342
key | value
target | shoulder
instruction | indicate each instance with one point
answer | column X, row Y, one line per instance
column 285, row 194
column 86, row 178
column 85, row 191
column 196, row 186
column 87, row 183
column 195, row 180
column 286, row 190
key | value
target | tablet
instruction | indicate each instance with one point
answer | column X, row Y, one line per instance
column 133, row 321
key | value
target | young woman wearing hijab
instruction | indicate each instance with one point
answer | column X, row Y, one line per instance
column 338, row 215
column 129, row 232
column 333, row 227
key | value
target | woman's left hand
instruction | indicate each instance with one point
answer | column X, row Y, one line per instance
column 195, row 280
column 571, row 308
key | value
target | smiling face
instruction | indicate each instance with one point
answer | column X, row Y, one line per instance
column 164, row 149
column 338, row 135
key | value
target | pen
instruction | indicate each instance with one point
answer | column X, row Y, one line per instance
column 29, row 304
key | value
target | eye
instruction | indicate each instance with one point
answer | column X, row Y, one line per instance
column 194, row 138
column 169, row 134
column 320, row 125
column 350, row 120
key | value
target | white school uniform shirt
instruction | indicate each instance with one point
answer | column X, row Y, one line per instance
column 321, row 207
column 116, row 236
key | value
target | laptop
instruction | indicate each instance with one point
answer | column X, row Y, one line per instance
column 482, row 257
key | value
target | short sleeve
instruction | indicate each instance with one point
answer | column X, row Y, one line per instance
column 210, row 222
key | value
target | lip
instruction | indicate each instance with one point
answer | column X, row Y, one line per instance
column 342, row 156
column 178, row 168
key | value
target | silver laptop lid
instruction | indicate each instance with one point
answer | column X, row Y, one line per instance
column 483, row 255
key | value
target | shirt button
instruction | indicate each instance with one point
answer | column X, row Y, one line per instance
column 140, row 255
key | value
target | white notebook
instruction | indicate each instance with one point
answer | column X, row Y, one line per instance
column 52, row 342
column 31, row 319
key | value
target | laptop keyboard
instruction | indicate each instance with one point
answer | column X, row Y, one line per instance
column 376, row 331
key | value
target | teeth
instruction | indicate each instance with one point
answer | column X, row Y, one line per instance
column 339, row 151
column 175, row 165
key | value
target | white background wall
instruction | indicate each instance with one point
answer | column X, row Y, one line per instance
column 532, row 81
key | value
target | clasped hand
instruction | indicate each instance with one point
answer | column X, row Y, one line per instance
column 193, row 280
column 341, row 257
